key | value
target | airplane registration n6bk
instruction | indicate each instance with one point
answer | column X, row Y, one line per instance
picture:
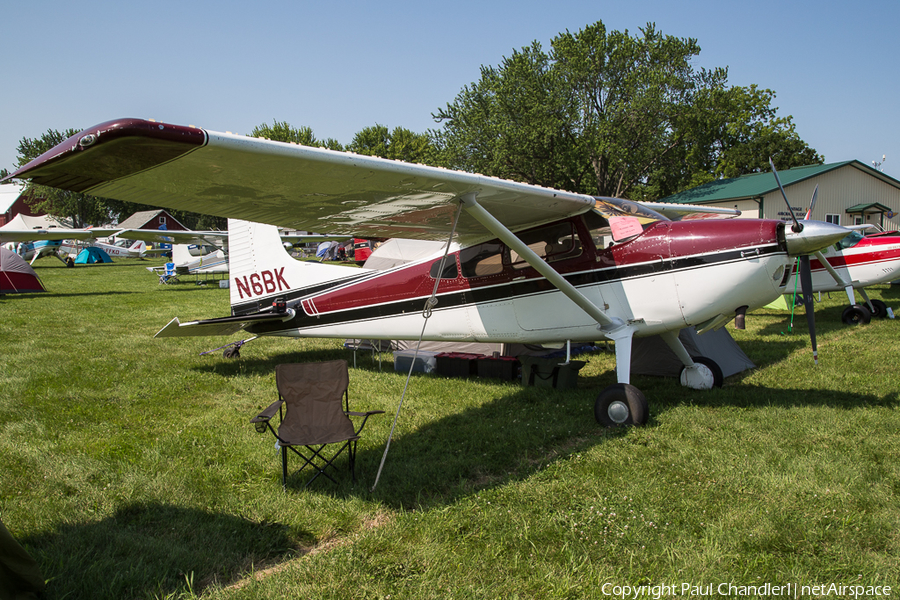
column 519, row 263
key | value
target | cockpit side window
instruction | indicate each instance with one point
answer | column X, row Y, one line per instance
column 552, row 243
column 449, row 272
column 481, row 260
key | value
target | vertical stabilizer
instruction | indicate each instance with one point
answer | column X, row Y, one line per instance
column 181, row 254
column 261, row 269
column 139, row 247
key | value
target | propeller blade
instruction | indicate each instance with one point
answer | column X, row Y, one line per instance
column 797, row 228
column 812, row 203
column 806, row 287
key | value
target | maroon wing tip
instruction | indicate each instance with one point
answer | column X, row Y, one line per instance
column 43, row 169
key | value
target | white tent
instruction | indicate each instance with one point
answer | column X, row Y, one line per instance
column 397, row 251
column 21, row 222
column 8, row 194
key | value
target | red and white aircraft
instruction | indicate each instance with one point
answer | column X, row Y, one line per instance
column 853, row 263
column 523, row 265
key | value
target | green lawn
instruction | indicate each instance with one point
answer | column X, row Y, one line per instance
column 129, row 468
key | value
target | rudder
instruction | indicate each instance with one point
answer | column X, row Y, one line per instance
column 261, row 269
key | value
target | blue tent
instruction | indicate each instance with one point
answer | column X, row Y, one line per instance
column 92, row 255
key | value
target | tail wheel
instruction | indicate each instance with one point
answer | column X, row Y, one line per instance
column 621, row 404
column 856, row 315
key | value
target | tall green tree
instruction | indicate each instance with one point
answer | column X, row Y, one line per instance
column 282, row 131
column 613, row 114
column 399, row 144
column 731, row 131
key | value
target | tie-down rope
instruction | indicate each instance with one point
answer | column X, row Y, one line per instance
column 426, row 313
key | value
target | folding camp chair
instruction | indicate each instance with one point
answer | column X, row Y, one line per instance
column 169, row 274
column 314, row 409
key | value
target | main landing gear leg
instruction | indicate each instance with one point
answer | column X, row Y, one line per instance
column 876, row 307
column 698, row 373
column 621, row 404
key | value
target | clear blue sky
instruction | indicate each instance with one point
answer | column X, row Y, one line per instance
column 338, row 67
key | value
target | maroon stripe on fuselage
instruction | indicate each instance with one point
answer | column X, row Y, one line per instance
column 117, row 148
column 859, row 259
column 668, row 242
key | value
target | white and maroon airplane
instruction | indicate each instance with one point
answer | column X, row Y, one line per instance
column 521, row 262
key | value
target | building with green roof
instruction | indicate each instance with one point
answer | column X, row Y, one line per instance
column 849, row 193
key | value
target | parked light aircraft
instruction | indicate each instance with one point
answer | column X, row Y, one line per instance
column 137, row 249
column 523, row 265
column 187, row 264
column 33, row 243
column 853, row 263
column 31, row 251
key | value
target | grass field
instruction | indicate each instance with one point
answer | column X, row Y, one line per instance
column 129, row 468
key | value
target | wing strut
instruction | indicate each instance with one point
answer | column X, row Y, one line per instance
column 479, row 213
column 848, row 287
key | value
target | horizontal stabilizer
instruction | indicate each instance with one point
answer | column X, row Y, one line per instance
column 221, row 326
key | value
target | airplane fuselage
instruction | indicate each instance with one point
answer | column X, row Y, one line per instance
column 672, row 275
column 31, row 251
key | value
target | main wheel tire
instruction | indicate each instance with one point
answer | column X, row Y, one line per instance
column 714, row 369
column 880, row 311
column 856, row 315
column 621, row 404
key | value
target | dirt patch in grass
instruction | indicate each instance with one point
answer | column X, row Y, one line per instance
column 379, row 519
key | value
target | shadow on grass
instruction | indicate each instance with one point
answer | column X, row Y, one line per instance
column 51, row 294
column 828, row 319
column 156, row 550
column 890, row 291
column 520, row 434
column 250, row 364
column 515, row 435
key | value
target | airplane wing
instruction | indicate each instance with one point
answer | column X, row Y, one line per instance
column 162, row 236
column 691, row 212
column 30, row 235
column 292, row 186
column 309, row 238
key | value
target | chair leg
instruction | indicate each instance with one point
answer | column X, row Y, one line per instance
column 284, row 467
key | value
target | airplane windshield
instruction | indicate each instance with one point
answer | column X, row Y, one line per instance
column 619, row 207
column 852, row 239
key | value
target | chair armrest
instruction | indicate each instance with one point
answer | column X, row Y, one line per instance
column 268, row 413
column 364, row 414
